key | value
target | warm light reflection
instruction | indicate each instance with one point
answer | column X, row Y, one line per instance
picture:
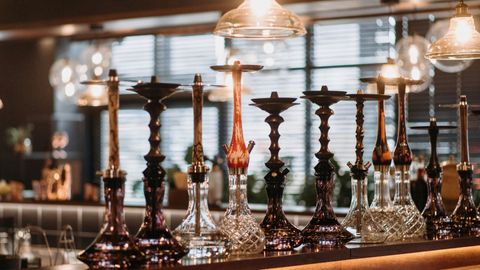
column 94, row 95
column 463, row 27
column 260, row 8
column 390, row 70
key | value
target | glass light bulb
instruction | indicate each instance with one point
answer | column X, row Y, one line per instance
column 67, row 73
column 70, row 89
column 97, row 58
column 413, row 54
column 415, row 73
column 268, row 47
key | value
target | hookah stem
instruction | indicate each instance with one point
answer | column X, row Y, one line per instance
column 359, row 208
column 197, row 209
column 113, row 106
column 238, row 199
column 402, row 138
column 382, row 180
column 464, row 130
column 359, row 162
column 197, row 140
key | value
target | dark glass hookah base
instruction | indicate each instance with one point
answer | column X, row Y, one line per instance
column 325, row 233
column 280, row 235
column 438, row 228
column 466, row 222
column 112, row 251
column 159, row 246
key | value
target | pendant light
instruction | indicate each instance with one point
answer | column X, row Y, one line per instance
column 260, row 19
column 462, row 41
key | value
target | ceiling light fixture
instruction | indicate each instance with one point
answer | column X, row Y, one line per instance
column 462, row 41
column 260, row 19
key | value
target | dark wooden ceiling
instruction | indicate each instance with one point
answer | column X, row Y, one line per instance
column 18, row 14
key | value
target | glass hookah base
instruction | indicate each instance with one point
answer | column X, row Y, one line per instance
column 413, row 221
column 282, row 238
column 438, row 228
column 112, row 252
column 159, row 246
column 368, row 231
column 329, row 233
column 207, row 245
column 246, row 235
column 466, row 224
column 390, row 221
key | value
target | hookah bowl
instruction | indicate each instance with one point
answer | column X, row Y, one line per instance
column 198, row 231
column 359, row 219
column 280, row 234
column 465, row 217
column 402, row 158
column 238, row 223
column 153, row 237
column 324, row 230
column 438, row 225
column 113, row 247
column 381, row 208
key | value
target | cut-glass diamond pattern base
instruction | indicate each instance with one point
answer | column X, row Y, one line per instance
column 245, row 233
column 391, row 221
column 414, row 222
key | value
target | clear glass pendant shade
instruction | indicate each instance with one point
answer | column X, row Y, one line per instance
column 462, row 41
column 412, row 63
column 260, row 19
column 438, row 30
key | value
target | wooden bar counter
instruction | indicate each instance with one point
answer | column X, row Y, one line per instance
column 425, row 255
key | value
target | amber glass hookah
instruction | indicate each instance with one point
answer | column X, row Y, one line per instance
column 154, row 238
column 280, row 234
column 324, row 230
column 238, row 223
column 113, row 248
column 438, row 225
column 465, row 218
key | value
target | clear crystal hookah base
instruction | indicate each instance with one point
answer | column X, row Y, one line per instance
column 403, row 204
column 198, row 231
column 238, row 223
column 359, row 220
column 382, row 210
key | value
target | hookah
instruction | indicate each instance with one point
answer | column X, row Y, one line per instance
column 438, row 225
column 113, row 248
column 238, row 223
column 359, row 219
column 381, row 208
column 198, row 231
column 324, row 230
column 280, row 234
column 153, row 236
column 402, row 158
column 465, row 217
